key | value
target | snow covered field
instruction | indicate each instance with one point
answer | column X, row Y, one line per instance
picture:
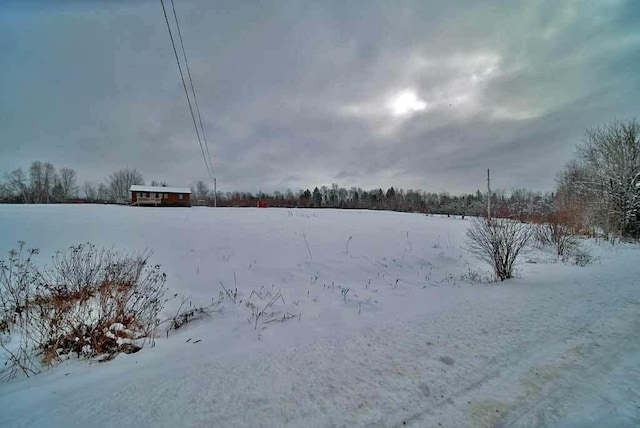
column 385, row 320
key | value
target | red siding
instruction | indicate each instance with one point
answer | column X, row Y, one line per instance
column 171, row 199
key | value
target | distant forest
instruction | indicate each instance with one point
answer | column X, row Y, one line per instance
column 45, row 184
column 597, row 192
column 519, row 203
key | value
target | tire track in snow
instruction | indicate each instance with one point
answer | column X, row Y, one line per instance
column 515, row 363
column 570, row 384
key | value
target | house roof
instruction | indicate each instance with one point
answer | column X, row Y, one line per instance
column 159, row 189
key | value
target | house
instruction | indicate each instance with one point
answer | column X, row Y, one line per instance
column 160, row 196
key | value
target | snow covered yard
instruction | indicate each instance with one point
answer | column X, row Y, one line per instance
column 384, row 320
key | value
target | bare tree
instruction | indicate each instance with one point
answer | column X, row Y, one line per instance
column 57, row 191
column 41, row 183
column 90, row 191
column 201, row 190
column 18, row 185
column 42, row 179
column 68, row 179
column 498, row 242
column 49, row 180
column 5, row 193
column 120, row 182
column 103, row 192
column 36, row 181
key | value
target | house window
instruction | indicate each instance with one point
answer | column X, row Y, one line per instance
column 139, row 194
column 180, row 196
column 166, row 196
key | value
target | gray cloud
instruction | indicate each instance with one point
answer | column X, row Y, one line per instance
column 295, row 94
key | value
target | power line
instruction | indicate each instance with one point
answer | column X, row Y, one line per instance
column 195, row 99
column 186, row 92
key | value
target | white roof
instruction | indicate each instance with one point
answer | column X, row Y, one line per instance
column 159, row 189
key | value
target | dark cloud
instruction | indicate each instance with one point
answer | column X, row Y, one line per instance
column 295, row 94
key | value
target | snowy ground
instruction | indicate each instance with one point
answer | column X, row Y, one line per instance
column 418, row 339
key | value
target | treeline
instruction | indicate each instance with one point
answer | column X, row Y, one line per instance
column 44, row 184
column 116, row 187
column 519, row 203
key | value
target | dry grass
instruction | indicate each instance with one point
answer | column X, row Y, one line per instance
column 89, row 302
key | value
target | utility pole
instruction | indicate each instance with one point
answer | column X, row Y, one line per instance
column 215, row 194
column 488, row 196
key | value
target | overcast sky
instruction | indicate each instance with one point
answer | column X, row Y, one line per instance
column 414, row 94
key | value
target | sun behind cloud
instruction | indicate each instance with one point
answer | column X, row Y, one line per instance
column 405, row 103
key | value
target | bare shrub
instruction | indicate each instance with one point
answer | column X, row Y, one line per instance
column 581, row 257
column 557, row 235
column 16, row 278
column 89, row 302
column 560, row 230
column 498, row 242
